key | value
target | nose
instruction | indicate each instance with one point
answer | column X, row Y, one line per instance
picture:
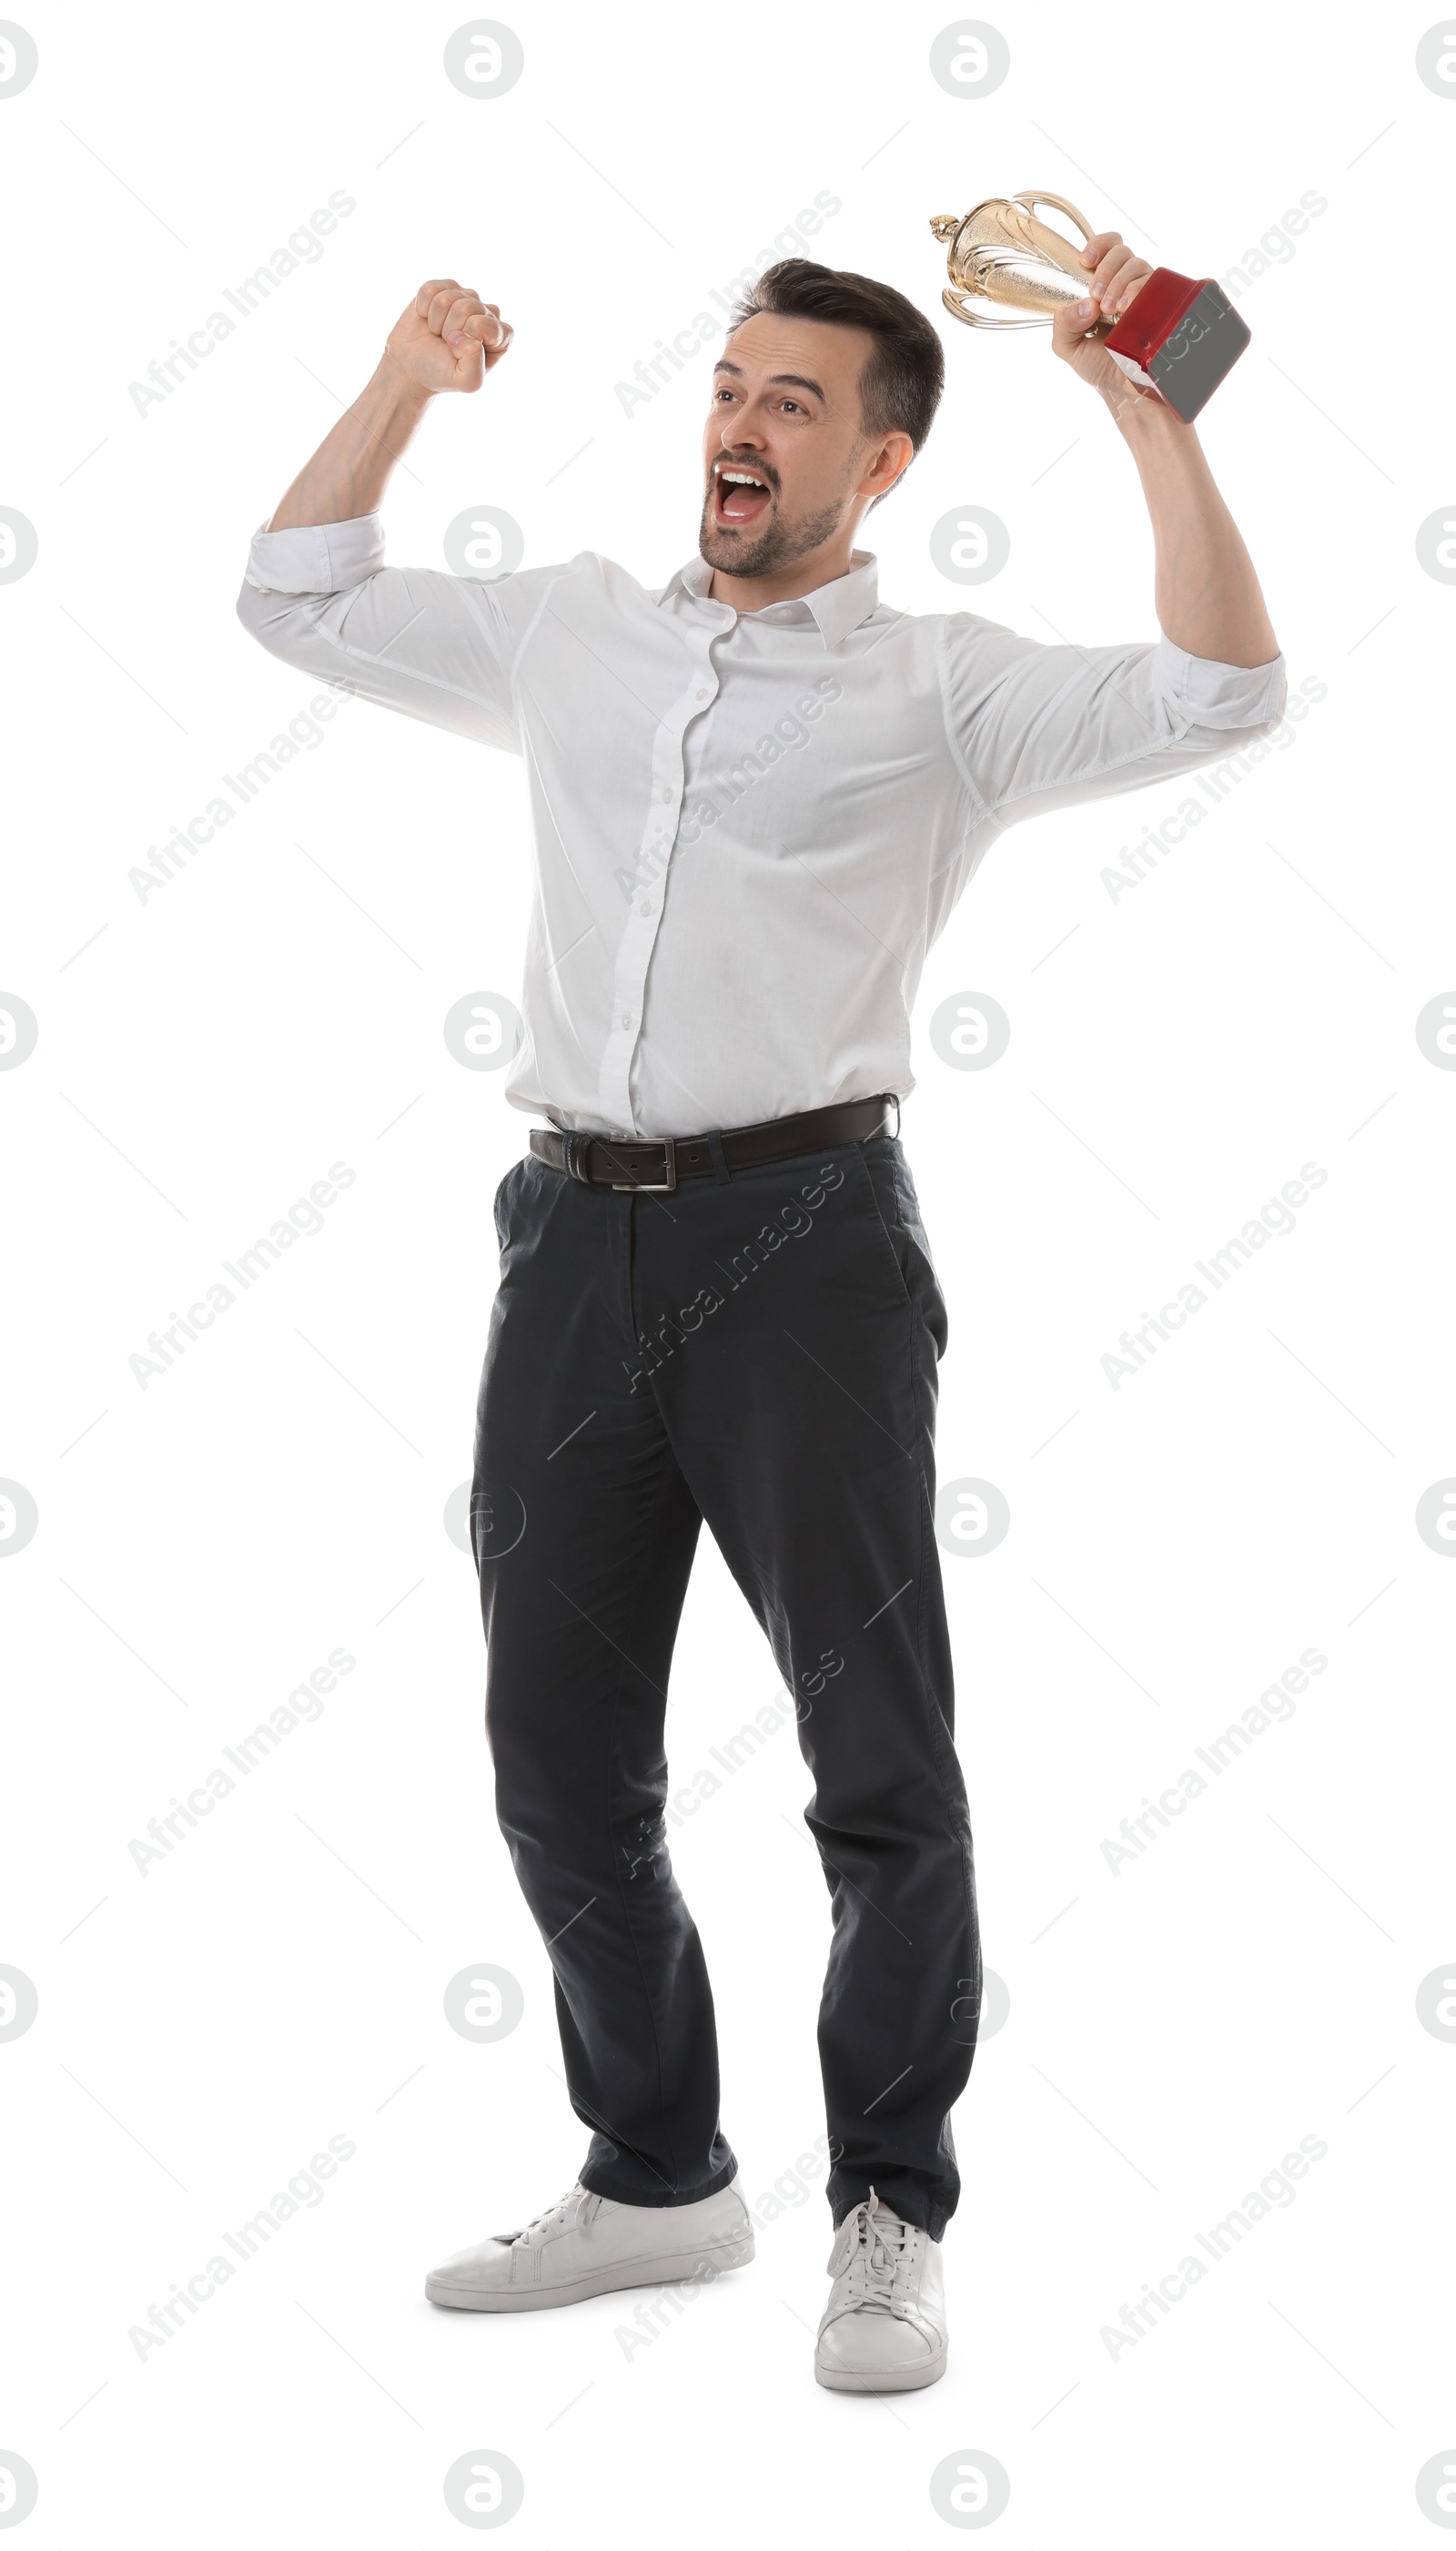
column 743, row 432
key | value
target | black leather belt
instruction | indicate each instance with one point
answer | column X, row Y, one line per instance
column 655, row 1168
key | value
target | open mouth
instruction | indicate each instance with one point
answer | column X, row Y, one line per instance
column 739, row 495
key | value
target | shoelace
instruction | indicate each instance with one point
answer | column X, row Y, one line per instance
column 554, row 2215
column 882, row 2251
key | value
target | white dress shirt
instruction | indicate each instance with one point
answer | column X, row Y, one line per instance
column 748, row 827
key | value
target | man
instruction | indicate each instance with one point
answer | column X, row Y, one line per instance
column 757, row 797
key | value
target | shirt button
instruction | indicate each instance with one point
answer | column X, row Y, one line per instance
column 644, row 907
column 702, row 696
column 626, row 1018
column 666, row 796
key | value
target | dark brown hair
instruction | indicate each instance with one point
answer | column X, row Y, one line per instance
column 902, row 379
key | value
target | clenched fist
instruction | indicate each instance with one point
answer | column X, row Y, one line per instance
column 448, row 339
column 1117, row 277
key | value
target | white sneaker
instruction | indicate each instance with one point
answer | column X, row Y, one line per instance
column 592, row 2245
column 884, row 2327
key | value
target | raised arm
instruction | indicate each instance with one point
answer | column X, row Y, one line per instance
column 448, row 339
column 1207, row 593
column 317, row 590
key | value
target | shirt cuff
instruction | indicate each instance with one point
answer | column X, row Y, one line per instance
column 1220, row 696
column 322, row 558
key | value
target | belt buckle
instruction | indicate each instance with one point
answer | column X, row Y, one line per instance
column 645, row 1186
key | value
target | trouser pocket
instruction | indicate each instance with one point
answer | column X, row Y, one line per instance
column 897, row 1209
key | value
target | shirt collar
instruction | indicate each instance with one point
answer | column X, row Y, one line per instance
column 837, row 607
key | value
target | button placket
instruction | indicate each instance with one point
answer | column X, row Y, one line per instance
column 645, row 911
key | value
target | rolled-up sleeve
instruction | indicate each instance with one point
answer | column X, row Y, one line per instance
column 433, row 646
column 1036, row 727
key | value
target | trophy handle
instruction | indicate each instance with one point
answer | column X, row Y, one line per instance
column 959, row 308
column 1050, row 244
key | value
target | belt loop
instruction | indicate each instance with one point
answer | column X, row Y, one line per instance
column 723, row 1174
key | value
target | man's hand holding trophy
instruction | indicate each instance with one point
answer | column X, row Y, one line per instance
column 1115, row 318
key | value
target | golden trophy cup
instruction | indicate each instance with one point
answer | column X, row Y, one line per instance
column 1178, row 338
column 1011, row 261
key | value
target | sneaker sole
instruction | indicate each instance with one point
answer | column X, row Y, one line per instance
column 893, row 2377
column 671, row 2269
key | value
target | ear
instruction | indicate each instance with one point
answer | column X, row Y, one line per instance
column 886, row 463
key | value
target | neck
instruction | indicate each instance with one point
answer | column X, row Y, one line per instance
column 785, row 584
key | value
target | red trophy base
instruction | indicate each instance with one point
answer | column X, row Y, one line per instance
column 1180, row 338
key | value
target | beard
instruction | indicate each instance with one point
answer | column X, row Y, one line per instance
column 777, row 544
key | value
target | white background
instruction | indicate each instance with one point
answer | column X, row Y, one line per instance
column 1174, row 1544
